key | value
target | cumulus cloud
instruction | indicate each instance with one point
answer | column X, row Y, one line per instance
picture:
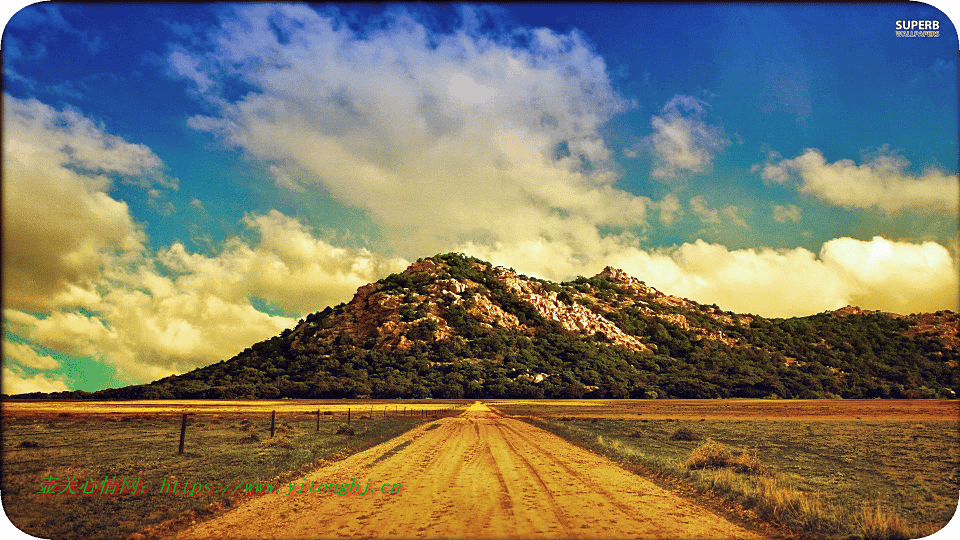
column 68, row 244
column 441, row 137
column 734, row 213
column 174, row 310
column 706, row 214
column 783, row 214
column 15, row 382
column 60, row 224
column 882, row 274
column 882, row 182
column 290, row 266
column 670, row 209
column 683, row 141
column 26, row 356
column 895, row 276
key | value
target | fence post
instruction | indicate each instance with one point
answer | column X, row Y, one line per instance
column 318, row 419
column 273, row 419
column 183, row 431
column 348, row 416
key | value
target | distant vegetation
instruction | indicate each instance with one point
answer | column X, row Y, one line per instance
column 820, row 356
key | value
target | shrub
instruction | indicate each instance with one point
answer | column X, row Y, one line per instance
column 709, row 455
column 685, row 434
column 747, row 463
column 344, row 429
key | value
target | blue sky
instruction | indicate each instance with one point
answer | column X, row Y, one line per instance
column 181, row 181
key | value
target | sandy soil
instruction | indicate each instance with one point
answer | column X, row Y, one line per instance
column 478, row 475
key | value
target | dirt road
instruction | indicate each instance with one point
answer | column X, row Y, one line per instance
column 475, row 476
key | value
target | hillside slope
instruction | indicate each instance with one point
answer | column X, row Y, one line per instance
column 453, row 326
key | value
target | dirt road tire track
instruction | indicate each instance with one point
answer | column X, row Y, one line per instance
column 478, row 475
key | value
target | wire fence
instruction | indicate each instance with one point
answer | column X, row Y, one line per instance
column 59, row 467
column 109, row 433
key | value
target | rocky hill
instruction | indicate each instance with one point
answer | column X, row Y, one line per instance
column 453, row 326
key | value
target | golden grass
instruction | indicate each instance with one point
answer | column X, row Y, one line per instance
column 709, row 455
column 877, row 524
column 216, row 450
column 741, row 477
column 64, row 409
column 277, row 442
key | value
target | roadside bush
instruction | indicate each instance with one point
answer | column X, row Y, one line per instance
column 685, row 434
column 709, row 455
column 344, row 429
column 747, row 463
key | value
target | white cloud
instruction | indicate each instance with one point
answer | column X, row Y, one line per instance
column 670, row 209
column 60, row 225
column 175, row 311
column 783, row 214
column 442, row 138
column 706, row 214
column 289, row 266
column 17, row 383
column 895, row 276
column 683, row 142
column 734, row 213
column 67, row 243
column 881, row 182
column 26, row 356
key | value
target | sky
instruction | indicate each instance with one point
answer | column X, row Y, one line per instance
column 182, row 181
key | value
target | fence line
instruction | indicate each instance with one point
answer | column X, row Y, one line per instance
column 154, row 436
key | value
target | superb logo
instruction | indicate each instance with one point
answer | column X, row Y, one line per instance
column 918, row 25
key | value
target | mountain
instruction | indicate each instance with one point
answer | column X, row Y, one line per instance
column 453, row 326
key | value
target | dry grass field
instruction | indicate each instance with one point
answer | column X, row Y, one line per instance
column 222, row 407
column 225, row 442
column 834, row 467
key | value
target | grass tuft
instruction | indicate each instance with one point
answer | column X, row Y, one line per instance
column 685, row 434
column 277, row 442
column 877, row 524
